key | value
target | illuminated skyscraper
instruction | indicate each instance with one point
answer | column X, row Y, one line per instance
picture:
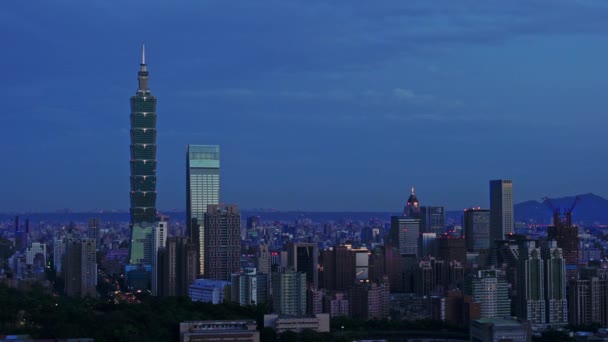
column 143, row 168
column 412, row 209
column 203, row 189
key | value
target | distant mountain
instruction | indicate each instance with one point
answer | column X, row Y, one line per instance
column 590, row 209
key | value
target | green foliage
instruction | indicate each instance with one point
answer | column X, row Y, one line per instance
column 155, row 319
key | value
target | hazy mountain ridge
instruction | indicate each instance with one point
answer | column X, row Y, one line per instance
column 590, row 209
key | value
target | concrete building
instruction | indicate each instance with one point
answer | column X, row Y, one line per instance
column 282, row 323
column 209, row 291
column 588, row 296
column 531, row 285
column 451, row 248
column 289, row 292
column 304, row 257
column 491, row 291
column 499, row 329
column 94, row 231
column 36, row 251
column 249, row 287
column 80, row 267
column 177, row 267
column 337, row 306
column 222, row 242
column 225, row 331
column 555, row 291
column 370, row 300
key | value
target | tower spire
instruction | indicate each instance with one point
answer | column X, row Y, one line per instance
column 413, row 191
column 143, row 54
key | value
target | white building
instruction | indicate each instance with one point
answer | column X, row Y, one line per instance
column 208, row 291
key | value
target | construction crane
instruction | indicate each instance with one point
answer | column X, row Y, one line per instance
column 557, row 212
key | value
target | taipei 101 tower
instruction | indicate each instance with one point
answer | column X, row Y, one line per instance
column 143, row 168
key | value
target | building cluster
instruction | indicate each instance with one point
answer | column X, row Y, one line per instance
column 479, row 272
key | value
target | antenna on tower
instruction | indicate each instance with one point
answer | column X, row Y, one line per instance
column 143, row 53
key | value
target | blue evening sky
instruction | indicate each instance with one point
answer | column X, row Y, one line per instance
column 317, row 105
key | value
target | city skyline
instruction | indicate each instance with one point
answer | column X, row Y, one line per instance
column 309, row 110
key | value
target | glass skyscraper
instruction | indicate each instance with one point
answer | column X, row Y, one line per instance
column 143, row 168
column 501, row 209
column 203, row 189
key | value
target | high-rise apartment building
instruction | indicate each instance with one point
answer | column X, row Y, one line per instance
column 587, row 297
column 80, row 267
column 177, row 267
column 94, row 231
column 289, row 292
column 159, row 240
column 432, row 220
column 491, row 291
column 249, row 287
column 370, row 300
column 143, row 168
column 304, row 257
column 531, row 284
column 203, row 189
column 501, row 209
column 555, row 291
column 222, row 242
column 476, row 225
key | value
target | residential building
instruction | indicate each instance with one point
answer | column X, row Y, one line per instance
column 222, row 241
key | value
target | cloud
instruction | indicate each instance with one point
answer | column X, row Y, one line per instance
column 408, row 95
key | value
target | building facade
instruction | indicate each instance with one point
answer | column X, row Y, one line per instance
column 476, row 225
column 143, row 168
column 203, row 189
column 289, row 292
column 491, row 291
column 222, row 242
column 501, row 209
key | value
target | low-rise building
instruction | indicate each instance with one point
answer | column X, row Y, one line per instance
column 318, row 323
column 499, row 329
column 226, row 331
column 209, row 291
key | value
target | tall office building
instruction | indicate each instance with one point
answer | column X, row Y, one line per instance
column 428, row 245
column 80, row 267
column 159, row 240
column 222, row 242
column 263, row 259
column 404, row 234
column 491, row 291
column 501, row 209
column 93, row 230
column 476, row 224
column 289, row 292
column 412, row 208
column 143, row 168
column 203, row 189
column 304, row 257
column 177, row 267
column 432, row 220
